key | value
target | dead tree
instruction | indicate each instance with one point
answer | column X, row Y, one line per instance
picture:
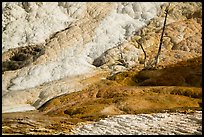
column 145, row 55
column 162, row 35
column 153, row 63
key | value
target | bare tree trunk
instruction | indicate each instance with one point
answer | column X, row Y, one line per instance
column 145, row 55
column 162, row 35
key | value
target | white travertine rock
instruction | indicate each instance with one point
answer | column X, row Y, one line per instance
column 118, row 26
column 17, row 108
column 129, row 53
column 95, row 28
column 145, row 124
column 73, row 9
column 23, row 27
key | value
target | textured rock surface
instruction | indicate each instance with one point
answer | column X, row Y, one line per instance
column 185, row 123
column 145, row 124
column 52, row 49
column 95, row 28
column 171, row 89
column 31, row 23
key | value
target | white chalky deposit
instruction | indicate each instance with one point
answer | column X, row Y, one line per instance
column 95, row 28
column 145, row 124
column 31, row 23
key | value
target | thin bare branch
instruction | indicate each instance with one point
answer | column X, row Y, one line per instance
column 145, row 55
column 162, row 35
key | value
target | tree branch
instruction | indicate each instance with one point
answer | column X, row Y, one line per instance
column 162, row 35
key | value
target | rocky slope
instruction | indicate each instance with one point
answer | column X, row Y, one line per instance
column 121, row 94
column 95, row 49
column 68, row 50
